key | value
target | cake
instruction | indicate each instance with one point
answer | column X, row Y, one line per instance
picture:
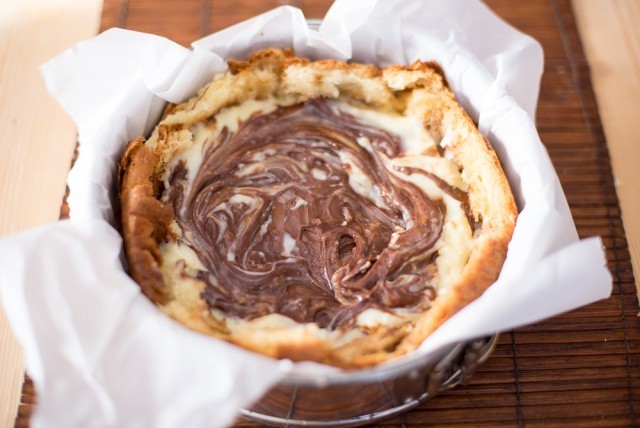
column 316, row 210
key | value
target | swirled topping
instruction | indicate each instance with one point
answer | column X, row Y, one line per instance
column 300, row 211
column 315, row 210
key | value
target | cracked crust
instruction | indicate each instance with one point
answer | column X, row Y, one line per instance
column 420, row 87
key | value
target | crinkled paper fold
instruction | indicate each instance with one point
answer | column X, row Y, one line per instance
column 102, row 355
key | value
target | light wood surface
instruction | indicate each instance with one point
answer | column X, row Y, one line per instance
column 610, row 33
column 38, row 138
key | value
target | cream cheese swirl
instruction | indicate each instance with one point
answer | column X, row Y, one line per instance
column 299, row 212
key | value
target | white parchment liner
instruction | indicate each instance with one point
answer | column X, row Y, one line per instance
column 102, row 355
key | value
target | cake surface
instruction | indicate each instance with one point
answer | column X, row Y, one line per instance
column 321, row 211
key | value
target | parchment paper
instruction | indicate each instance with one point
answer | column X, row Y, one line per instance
column 102, row 355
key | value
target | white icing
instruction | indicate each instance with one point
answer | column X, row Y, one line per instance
column 360, row 181
column 299, row 203
column 319, row 174
column 416, row 138
column 289, row 244
column 173, row 252
column 375, row 317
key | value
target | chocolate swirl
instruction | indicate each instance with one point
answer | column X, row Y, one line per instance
column 294, row 214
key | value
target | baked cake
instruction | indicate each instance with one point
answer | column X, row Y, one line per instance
column 316, row 210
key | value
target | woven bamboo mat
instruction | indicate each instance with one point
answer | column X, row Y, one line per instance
column 578, row 369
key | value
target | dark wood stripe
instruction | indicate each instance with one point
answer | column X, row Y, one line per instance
column 123, row 9
column 205, row 29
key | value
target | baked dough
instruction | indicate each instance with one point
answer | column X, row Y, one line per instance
column 324, row 211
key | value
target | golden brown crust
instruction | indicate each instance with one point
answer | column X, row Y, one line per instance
column 144, row 219
column 420, row 87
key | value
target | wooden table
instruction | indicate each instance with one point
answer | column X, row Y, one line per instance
column 581, row 368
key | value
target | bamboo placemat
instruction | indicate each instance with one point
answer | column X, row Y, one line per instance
column 581, row 368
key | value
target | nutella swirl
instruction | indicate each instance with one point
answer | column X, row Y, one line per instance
column 299, row 213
